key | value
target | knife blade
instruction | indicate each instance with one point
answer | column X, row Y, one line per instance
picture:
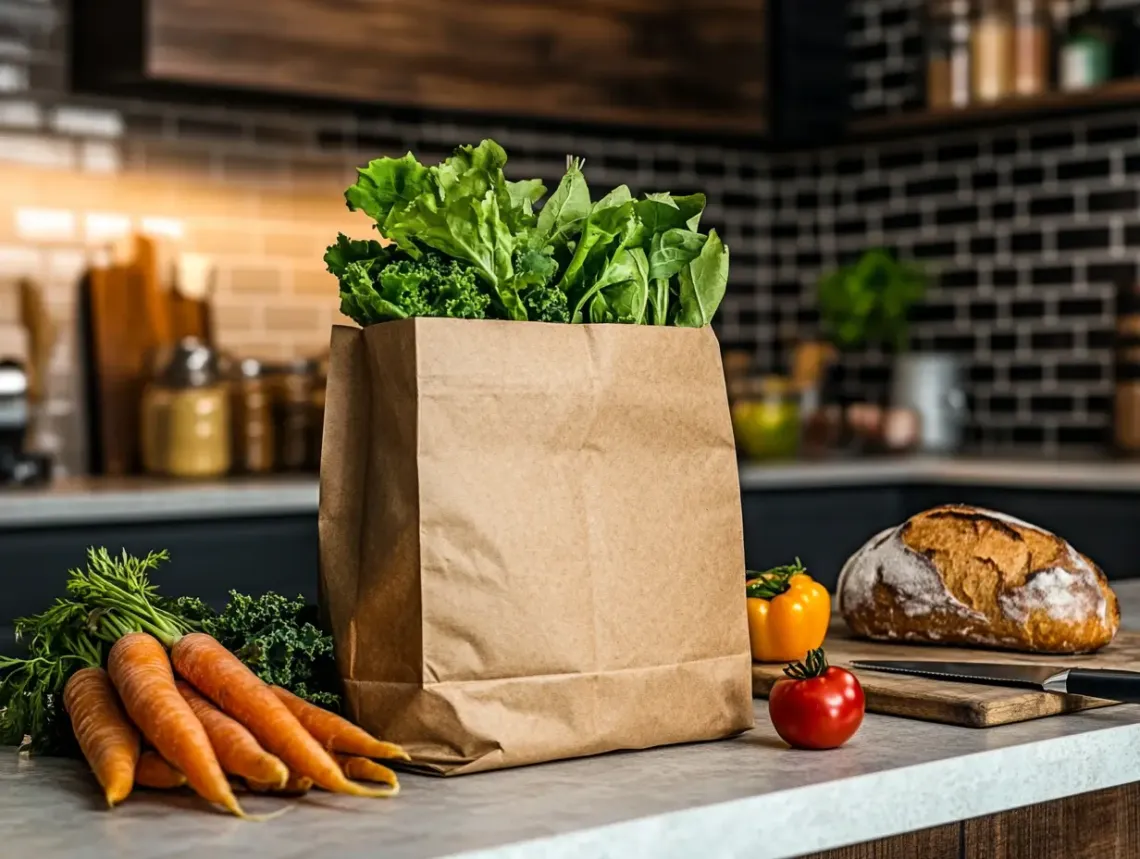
column 1108, row 684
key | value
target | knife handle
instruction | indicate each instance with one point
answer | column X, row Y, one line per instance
column 1123, row 686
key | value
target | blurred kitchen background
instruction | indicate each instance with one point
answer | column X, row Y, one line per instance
column 933, row 209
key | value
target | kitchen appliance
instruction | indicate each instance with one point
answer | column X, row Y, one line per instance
column 969, row 705
column 1106, row 683
column 17, row 466
column 931, row 385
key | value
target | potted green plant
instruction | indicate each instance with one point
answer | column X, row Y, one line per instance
column 868, row 301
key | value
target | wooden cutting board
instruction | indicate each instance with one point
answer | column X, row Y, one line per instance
column 967, row 704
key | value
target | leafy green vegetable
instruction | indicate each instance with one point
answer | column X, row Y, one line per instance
column 392, row 286
column 869, row 300
column 625, row 300
column 103, row 605
column 112, row 596
column 703, row 282
column 562, row 216
column 637, row 261
column 278, row 638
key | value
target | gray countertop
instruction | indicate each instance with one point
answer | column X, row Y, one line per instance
column 1089, row 474
column 734, row 798
column 100, row 500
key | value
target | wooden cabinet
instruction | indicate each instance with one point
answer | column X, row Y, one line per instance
column 695, row 64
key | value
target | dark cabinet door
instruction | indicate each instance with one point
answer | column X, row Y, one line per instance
column 671, row 63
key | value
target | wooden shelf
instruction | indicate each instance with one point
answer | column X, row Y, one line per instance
column 1116, row 94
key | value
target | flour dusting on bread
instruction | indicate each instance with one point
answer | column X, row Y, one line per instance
column 964, row 575
column 891, row 563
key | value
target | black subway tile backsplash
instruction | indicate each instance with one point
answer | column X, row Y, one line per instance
column 1115, row 200
column 1083, row 238
column 1026, row 373
column 1064, row 204
column 935, row 185
column 1052, row 275
column 1092, row 168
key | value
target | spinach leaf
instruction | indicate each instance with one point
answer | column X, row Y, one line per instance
column 617, row 197
column 702, row 284
column 569, row 205
column 627, row 300
column 673, row 250
column 627, row 264
column 659, row 302
column 661, row 212
column 607, row 230
column 691, row 207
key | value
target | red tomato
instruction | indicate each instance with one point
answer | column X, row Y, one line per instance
column 822, row 710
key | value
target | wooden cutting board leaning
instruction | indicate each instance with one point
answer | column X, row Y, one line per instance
column 967, row 704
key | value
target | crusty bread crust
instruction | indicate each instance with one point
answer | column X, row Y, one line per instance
column 966, row 576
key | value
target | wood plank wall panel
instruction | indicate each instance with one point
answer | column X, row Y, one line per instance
column 660, row 62
column 1104, row 824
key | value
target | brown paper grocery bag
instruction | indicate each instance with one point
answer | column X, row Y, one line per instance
column 531, row 542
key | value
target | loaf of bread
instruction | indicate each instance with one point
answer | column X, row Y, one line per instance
column 966, row 576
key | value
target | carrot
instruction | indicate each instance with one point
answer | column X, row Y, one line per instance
column 337, row 734
column 366, row 769
column 153, row 771
column 227, row 682
column 140, row 670
column 297, row 785
column 107, row 738
column 237, row 750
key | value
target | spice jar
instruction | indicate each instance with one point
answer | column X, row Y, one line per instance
column 991, row 50
column 254, row 436
column 948, row 54
column 186, row 414
column 295, row 415
column 1031, row 36
column 1086, row 56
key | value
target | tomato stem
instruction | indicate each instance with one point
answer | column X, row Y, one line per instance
column 814, row 665
column 773, row 582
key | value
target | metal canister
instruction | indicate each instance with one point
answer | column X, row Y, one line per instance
column 186, row 414
column 254, row 433
column 295, row 383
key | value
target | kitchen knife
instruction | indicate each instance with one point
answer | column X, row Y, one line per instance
column 1103, row 683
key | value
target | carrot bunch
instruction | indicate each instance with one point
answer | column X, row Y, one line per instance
column 205, row 714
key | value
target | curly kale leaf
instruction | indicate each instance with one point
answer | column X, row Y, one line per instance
column 543, row 300
column 278, row 638
column 393, row 286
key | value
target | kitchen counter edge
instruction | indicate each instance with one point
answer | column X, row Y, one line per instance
column 86, row 501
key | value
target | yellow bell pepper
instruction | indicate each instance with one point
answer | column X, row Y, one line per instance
column 788, row 613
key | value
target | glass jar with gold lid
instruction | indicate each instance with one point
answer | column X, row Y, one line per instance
column 186, row 414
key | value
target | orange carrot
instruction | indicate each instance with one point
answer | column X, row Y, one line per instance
column 367, row 769
column 107, row 738
column 153, row 771
column 140, row 670
column 222, row 677
column 237, row 750
column 337, row 734
column 297, row 785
